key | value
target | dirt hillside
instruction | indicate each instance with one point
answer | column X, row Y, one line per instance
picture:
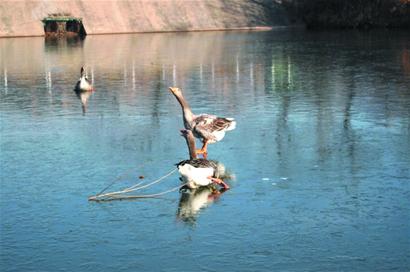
column 23, row 17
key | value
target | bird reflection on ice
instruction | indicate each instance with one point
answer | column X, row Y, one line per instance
column 192, row 201
column 83, row 96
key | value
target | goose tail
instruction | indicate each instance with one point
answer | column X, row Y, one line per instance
column 232, row 124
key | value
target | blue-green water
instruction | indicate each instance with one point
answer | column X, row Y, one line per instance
column 320, row 153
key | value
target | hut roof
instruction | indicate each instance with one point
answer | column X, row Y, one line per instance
column 61, row 19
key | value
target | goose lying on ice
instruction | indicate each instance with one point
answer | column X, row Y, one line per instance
column 199, row 172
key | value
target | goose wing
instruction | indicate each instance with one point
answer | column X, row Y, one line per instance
column 212, row 127
column 199, row 163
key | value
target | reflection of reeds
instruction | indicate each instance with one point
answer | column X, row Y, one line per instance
column 139, row 59
column 405, row 56
column 5, row 78
column 209, row 65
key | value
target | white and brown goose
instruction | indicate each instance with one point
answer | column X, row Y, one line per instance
column 200, row 172
column 209, row 128
column 83, row 84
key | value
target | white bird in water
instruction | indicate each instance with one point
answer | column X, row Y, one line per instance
column 83, row 84
column 208, row 128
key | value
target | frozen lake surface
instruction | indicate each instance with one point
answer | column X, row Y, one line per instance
column 320, row 153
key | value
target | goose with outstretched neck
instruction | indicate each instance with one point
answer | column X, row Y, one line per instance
column 209, row 128
column 197, row 172
column 83, row 84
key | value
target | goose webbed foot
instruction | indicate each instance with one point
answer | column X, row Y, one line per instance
column 202, row 152
column 220, row 182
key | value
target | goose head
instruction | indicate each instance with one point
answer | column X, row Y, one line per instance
column 175, row 91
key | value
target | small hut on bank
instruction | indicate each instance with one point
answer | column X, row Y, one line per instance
column 63, row 25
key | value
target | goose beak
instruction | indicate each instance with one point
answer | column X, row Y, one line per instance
column 173, row 90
